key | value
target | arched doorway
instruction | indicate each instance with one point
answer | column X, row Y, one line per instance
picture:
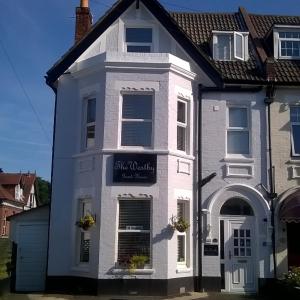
column 237, row 246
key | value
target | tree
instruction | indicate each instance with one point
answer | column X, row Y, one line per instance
column 44, row 190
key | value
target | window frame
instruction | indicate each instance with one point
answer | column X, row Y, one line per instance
column 238, row 129
column 136, row 120
column 118, row 230
column 138, row 43
column 281, row 39
column 183, row 125
column 294, row 154
column 233, row 44
column 80, row 213
column 186, row 239
column 89, row 124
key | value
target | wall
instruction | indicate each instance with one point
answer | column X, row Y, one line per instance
column 245, row 177
column 284, row 163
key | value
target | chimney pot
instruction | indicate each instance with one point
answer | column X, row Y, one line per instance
column 84, row 3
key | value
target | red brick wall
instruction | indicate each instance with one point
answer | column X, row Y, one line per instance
column 6, row 211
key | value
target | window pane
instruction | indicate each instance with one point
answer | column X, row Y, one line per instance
column 238, row 117
column 136, row 134
column 180, row 248
column 134, row 214
column 84, row 247
column 91, row 110
column 181, row 138
column 223, row 47
column 295, row 114
column 141, row 49
column 296, row 138
column 180, row 210
column 90, row 136
column 137, row 107
column 139, row 35
column 133, row 243
column 239, row 46
column 237, row 206
column 238, row 142
column 181, row 112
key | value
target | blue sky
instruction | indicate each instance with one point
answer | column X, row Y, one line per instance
column 36, row 33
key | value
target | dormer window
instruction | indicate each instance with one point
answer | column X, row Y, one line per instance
column 289, row 44
column 139, row 39
column 230, row 45
column 286, row 42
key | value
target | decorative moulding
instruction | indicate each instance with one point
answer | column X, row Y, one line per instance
column 239, row 170
column 183, row 167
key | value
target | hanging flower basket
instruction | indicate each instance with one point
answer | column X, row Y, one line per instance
column 179, row 224
column 86, row 222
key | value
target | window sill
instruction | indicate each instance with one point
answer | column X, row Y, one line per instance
column 238, row 159
column 294, row 160
column 183, row 269
column 135, row 272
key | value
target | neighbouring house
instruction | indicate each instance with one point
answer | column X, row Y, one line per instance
column 17, row 193
column 168, row 129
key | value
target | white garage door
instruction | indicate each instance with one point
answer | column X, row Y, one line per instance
column 31, row 257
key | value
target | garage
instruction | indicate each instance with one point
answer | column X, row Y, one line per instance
column 29, row 234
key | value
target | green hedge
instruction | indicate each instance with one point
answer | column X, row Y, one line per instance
column 5, row 256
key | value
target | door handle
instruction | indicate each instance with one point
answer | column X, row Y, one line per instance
column 229, row 254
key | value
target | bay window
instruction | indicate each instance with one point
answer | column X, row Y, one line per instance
column 134, row 231
column 295, row 130
column 238, row 131
column 137, row 120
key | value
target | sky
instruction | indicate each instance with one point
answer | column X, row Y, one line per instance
column 34, row 34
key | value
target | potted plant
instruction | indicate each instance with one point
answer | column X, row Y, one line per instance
column 138, row 262
column 179, row 224
column 86, row 222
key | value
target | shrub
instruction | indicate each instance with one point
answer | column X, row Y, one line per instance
column 293, row 277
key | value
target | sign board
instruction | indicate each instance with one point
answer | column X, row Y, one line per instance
column 135, row 168
column 211, row 250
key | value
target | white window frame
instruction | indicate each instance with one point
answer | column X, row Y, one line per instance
column 81, row 203
column 292, row 137
column 139, row 43
column 238, row 129
column 183, row 125
column 88, row 124
column 280, row 40
column 147, row 266
column 136, row 120
column 185, row 235
column 233, row 44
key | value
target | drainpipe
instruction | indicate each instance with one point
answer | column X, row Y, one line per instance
column 54, row 88
column 201, row 183
column 199, row 206
column 270, row 92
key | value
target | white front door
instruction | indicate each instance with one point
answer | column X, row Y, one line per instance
column 31, row 257
column 239, row 255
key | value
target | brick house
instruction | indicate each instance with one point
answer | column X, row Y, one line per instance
column 17, row 193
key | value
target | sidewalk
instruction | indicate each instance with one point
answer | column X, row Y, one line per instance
column 190, row 296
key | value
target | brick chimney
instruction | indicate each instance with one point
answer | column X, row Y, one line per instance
column 83, row 20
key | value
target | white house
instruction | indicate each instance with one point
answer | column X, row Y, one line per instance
column 162, row 117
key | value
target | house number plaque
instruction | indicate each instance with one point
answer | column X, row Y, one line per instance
column 140, row 168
